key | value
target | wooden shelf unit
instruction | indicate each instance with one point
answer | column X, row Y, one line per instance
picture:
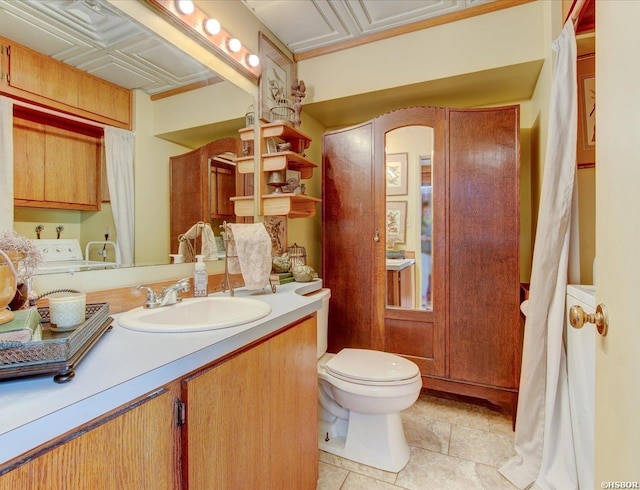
column 271, row 203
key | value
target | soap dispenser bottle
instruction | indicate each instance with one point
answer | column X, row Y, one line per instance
column 200, row 277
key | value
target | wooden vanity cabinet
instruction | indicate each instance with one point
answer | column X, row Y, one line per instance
column 132, row 447
column 248, row 420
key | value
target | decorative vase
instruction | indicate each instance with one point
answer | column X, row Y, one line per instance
column 8, row 282
column 20, row 297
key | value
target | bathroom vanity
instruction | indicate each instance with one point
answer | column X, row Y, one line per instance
column 228, row 408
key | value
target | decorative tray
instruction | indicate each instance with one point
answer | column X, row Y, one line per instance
column 57, row 352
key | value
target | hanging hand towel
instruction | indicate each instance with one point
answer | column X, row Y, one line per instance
column 253, row 247
column 208, row 249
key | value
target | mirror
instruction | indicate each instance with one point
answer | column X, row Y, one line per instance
column 164, row 127
column 409, row 216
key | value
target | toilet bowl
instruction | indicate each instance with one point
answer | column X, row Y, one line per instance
column 360, row 396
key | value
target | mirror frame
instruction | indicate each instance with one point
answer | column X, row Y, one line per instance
column 433, row 117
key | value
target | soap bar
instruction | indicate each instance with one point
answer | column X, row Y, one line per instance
column 25, row 327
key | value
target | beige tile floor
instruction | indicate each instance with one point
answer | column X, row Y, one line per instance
column 454, row 445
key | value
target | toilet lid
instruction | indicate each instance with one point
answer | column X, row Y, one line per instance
column 371, row 365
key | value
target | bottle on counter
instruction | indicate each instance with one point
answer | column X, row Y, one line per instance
column 200, row 277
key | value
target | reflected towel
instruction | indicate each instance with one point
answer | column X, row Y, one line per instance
column 25, row 327
column 209, row 248
column 252, row 245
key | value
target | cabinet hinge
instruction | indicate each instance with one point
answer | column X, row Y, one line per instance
column 180, row 413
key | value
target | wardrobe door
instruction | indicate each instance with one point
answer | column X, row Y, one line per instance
column 348, row 239
column 189, row 193
column 483, row 234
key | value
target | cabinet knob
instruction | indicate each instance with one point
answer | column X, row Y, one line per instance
column 578, row 317
column 376, row 235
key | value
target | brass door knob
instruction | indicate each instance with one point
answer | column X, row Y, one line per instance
column 578, row 317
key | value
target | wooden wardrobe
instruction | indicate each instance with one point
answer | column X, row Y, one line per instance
column 469, row 342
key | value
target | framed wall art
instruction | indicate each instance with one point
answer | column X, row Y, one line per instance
column 396, row 174
column 396, row 221
column 278, row 72
column 586, row 150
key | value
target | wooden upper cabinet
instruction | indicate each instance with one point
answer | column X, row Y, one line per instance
column 71, row 169
column 45, row 81
column 54, row 166
column 28, row 154
column 91, row 97
column 42, row 76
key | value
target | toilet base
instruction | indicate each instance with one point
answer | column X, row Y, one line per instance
column 373, row 439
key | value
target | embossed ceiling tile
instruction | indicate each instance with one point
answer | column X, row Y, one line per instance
column 168, row 61
column 113, row 69
column 384, row 14
column 317, row 23
column 30, row 33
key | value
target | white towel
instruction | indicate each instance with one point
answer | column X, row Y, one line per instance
column 208, row 249
column 252, row 245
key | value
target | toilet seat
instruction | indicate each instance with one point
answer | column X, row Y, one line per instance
column 372, row 368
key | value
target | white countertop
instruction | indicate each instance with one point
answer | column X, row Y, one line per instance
column 399, row 264
column 126, row 364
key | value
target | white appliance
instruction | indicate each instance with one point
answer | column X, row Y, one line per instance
column 581, row 381
column 65, row 255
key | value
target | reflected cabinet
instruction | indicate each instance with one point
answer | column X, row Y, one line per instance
column 433, row 192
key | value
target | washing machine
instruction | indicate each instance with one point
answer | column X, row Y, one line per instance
column 581, row 344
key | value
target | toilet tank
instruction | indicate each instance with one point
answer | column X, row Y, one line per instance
column 323, row 319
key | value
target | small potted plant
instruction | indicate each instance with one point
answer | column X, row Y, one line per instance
column 10, row 241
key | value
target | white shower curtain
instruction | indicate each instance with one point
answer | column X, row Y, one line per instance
column 543, row 439
column 119, row 152
column 6, row 164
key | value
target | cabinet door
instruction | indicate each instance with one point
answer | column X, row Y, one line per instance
column 226, row 430
column 28, row 158
column 133, row 448
column 43, row 76
column 252, row 419
column 483, row 268
column 293, row 408
column 71, row 167
column 103, row 98
column 349, row 249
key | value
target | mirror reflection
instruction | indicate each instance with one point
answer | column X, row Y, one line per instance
column 165, row 126
column 409, row 217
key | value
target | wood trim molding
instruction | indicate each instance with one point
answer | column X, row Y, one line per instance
column 408, row 28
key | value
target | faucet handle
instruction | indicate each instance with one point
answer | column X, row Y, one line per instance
column 151, row 294
column 184, row 284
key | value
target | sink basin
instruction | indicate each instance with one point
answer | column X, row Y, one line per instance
column 196, row 314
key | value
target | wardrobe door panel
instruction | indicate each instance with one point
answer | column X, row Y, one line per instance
column 483, row 272
column 348, row 250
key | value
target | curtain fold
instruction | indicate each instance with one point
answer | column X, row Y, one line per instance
column 6, row 163
column 119, row 149
column 544, row 448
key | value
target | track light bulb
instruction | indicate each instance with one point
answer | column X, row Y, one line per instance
column 185, row 7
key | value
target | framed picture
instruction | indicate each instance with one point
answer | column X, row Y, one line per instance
column 278, row 72
column 396, row 221
column 586, row 150
column 397, row 174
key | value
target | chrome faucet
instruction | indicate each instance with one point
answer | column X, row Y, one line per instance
column 170, row 295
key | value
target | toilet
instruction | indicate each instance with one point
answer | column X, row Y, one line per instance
column 360, row 396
